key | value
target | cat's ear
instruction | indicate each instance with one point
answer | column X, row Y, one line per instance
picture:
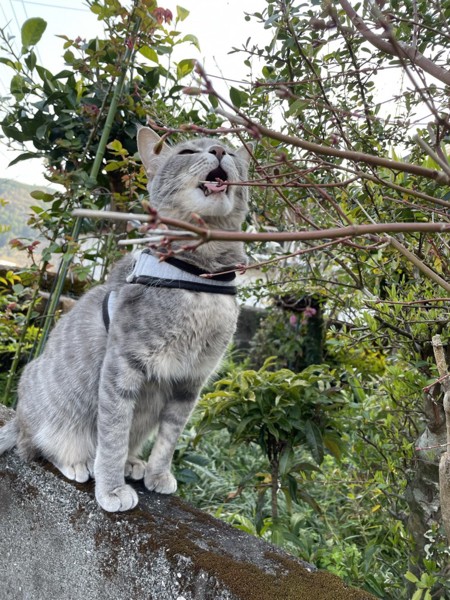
column 151, row 149
column 245, row 153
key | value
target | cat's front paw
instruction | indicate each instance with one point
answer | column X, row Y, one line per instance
column 121, row 498
column 163, row 483
column 135, row 468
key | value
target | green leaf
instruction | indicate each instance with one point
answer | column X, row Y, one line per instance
column 305, row 467
column 235, row 97
column 37, row 209
column 244, row 423
column 244, row 523
column 149, row 53
column 238, row 97
column 117, row 148
column 213, row 100
column 184, row 67
column 32, row 31
column 30, row 60
column 411, row 577
column 303, row 495
column 10, row 63
column 314, row 440
column 18, row 288
column 196, row 459
column 297, row 107
column 23, row 156
column 39, row 195
column 333, row 444
column 47, row 77
column 187, row 476
column 113, row 165
column 193, row 39
column 18, row 87
column 182, row 13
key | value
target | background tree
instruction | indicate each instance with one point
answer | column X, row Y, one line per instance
column 329, row 159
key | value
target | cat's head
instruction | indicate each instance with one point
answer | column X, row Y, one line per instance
column 183, row 178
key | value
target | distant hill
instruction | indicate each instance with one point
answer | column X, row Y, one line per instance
column 15, row 211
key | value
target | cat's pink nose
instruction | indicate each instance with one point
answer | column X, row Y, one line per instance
column 218, row 151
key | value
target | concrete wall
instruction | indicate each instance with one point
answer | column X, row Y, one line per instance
column 57, row 544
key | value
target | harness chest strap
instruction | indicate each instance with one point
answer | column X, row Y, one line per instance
column 170, row 273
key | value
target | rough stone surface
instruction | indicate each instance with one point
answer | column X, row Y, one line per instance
column 57, row 544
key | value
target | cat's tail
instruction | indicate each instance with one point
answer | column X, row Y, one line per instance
column 8, row 435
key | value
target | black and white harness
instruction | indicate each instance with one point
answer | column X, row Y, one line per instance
column 173, row 273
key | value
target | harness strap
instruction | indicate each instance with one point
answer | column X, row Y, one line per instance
column 171, row 273
column 190, row 268
column 108, row 307
column 174, row 269
column 179, row 284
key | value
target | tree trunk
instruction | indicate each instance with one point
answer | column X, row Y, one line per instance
column 423, row 494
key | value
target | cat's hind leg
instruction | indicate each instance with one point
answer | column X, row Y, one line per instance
column 53, row 422
column 80, row 472
column 70, row 450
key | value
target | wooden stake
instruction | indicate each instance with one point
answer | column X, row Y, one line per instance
column 444, row 463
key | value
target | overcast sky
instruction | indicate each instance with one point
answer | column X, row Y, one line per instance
column 218, row 24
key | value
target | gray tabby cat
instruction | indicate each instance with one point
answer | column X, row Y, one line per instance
column 90, row 401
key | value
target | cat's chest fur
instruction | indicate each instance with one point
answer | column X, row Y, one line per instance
column 174, row 334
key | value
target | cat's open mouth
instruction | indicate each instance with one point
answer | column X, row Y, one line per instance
column 211, row 185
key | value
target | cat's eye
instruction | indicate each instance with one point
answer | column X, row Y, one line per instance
column 188, row 151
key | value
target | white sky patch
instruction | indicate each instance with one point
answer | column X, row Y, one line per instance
column 218, row 25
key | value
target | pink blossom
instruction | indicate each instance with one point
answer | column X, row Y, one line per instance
column 163, row 14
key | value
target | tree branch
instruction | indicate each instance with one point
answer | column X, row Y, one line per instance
column 208, row 235
column 356, row 157
column 419, row 264
column 402, row 51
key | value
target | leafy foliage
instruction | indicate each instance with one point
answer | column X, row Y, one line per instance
column 324, row 146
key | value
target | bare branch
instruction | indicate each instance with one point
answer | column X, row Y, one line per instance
column 351, row 155
column 419, row 264
column 402, row 51
column 283, row 236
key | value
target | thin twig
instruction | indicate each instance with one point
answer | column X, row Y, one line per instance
column 437, row 159
column 357, row 157
column 245, row 268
